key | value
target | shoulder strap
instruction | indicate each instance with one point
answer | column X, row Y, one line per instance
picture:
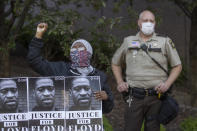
column 158, row 64
column 145, row 48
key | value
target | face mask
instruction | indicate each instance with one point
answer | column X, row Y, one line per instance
column 80, row 58
column 148, row 28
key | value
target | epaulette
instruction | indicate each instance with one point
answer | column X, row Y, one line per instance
column 161, row 35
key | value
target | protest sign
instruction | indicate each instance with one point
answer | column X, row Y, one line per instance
column 50, row 104
column 13, row 104
column 46, row 104
column 84, row 112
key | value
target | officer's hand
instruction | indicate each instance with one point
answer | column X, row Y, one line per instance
column 122, row 86
column 101, row 95
column 162, row 87
column 41, row 28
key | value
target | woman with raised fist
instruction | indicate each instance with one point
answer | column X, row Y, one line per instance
column 80, row 55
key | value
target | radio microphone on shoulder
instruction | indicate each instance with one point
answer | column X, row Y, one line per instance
column 144, row 47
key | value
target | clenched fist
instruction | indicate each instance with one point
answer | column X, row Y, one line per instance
column 41, row 28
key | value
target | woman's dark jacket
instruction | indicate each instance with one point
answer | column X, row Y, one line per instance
column 46, row 68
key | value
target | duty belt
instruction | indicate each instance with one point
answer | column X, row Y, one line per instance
column 141, row 93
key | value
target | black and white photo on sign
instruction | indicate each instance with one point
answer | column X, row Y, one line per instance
column 13, row 104
column 46, row 103
column 46, row 94
column 81, row 91
column 84, row 112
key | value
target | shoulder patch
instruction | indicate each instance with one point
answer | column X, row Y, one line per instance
column 172, row 44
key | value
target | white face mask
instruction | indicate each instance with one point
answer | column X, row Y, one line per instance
column 148, row 28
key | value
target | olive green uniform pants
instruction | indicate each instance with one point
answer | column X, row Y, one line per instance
column 139, row 111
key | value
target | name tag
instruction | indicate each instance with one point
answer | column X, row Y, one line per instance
column 154, row 49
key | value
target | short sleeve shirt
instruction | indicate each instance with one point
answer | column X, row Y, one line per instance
column 141, row 71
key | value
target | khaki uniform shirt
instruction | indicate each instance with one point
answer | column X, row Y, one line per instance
column 141, row 71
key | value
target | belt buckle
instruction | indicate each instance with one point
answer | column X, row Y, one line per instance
column 146, row 92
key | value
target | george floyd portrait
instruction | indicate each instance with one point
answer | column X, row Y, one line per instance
column 81, row 93
column 13, row 95
column 46, row 94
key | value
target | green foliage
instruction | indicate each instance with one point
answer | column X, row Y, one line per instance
column 107, row 125
column 189, row 124
column 117, row 5
column 96, row 4
column 103, row 41
column 183, row 76
column 185, row 5
column 161, row 128
column 133, row 16
column 11, row 43
column 63, row 22
column 61, row 33
column 152, row 0
column 62, row 30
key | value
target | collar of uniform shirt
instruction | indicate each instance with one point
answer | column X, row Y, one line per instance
column 138, row 38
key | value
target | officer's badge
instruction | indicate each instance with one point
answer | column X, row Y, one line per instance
column 172, row 44
column 155, row 44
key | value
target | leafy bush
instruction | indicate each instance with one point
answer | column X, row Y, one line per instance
column 63, row 31
column 103, row 41
column 106, row 124
column 189, row 124
column 161, row 128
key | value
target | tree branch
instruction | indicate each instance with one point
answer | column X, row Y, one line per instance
column 2, row 26
column 8, row 12
column 183, row 6
column 11, row 9
column 21, row 19
column 2, row 7
column 10, row 25
column 131, row 3
column 13, row 17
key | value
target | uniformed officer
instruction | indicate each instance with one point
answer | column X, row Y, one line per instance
column 143, row 76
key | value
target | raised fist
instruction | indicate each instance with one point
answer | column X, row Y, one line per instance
column 41, row 28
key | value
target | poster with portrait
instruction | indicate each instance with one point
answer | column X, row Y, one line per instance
column 83, row 111
column 46, row 103
column 13, row 104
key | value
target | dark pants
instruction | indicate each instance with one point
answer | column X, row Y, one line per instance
column 139, row 111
